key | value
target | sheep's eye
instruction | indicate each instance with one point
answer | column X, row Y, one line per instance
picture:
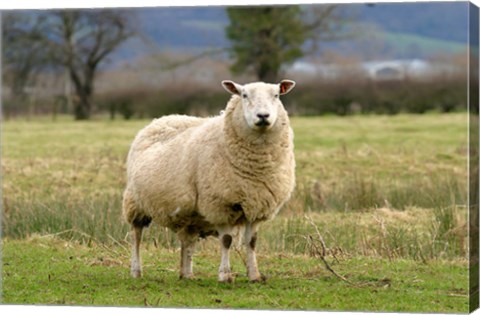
column 244, row 95
column 276, row 95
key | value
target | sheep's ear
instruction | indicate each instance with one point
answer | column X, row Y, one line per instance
column 286, row 86
column 232, row 87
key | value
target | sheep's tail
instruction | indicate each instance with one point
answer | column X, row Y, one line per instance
column 131, row 212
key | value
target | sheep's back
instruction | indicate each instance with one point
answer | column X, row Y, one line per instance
column 162, row 130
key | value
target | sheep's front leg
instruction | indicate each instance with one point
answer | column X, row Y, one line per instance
column 250, row 242
column 186, row 264
column 224, row 272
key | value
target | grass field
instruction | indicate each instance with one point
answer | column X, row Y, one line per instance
column 387, row 194
column 49, row 271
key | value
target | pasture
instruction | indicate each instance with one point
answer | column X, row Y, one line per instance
column 386, row 194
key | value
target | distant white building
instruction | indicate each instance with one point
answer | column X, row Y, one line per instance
column 326, row 71
column 379, row 70
column 396, row 69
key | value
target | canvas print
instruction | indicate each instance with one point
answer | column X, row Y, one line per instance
column 319, row 157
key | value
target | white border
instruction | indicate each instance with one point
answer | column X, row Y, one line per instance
column 30, row 4
column 74, row 310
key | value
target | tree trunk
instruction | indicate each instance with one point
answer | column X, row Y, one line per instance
column 82, row 107
column 82, row 111
column 84, row 91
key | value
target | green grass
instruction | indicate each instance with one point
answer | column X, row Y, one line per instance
column 361, row 162
column 387, row 193
column 49, row 271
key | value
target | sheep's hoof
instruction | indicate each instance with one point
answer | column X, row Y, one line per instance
column 136, row 273
column 261, row 279
column 226, row 278
column 187, row 277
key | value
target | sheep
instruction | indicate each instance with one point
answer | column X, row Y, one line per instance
column 213, row 176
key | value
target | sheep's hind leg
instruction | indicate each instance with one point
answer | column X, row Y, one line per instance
column 136, row 267
column 224, row 272
column 250, row 242
column 188, row 242
column 137, row 228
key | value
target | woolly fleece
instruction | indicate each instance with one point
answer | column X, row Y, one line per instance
column 193, row 174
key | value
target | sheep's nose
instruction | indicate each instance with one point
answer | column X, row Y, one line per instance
column 262, row 120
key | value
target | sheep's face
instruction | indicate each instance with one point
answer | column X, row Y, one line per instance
column 260, row 101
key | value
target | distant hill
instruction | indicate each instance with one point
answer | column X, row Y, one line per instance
column 185, row 27
column 439, row 20
column 404, row 30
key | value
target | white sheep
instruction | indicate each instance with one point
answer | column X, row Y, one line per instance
column 210, row 176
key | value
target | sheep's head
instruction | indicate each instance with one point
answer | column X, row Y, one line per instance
column 260, row 101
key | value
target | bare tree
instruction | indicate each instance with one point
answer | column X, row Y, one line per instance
column 80, row 40
column 76, row 40
column 23, row 52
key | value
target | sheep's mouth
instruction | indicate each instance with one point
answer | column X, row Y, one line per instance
column 262, row 123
